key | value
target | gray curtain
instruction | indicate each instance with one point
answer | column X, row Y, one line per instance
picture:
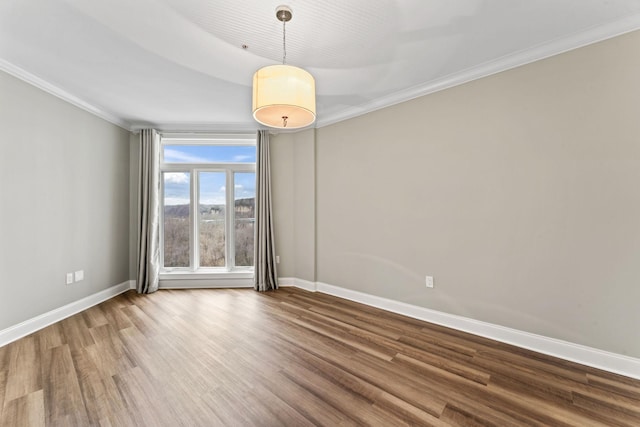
column 266, row 276
column 148, row 212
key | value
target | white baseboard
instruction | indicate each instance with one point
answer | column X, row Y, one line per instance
column 30, row 326
column 298, row 283
column 612, row 362
column 285, row 282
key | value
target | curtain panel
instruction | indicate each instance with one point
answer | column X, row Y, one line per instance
column 148, row 212
column 266, row 276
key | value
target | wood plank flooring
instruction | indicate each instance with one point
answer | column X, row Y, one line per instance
column 288, row 358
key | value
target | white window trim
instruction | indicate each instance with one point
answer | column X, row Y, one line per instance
column 194, row 271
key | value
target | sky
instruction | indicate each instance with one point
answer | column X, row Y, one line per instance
column 212, row 184
column 209, row 153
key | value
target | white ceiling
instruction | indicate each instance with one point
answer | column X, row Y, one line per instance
column 179, row 64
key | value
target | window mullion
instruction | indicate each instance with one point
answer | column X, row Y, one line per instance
column 161, row 219
column 230, row 218
column 194, row 253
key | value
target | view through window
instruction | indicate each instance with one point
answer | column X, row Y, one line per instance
column 201, row 179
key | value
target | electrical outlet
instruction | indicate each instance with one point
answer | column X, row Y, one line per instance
column 69, row 278
column 429, row 281
column 79, row 275
column 277, row 259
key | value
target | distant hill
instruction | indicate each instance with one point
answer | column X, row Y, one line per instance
column 176, row 211
column 182, row 211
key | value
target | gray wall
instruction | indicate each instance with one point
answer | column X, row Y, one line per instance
column 282, row 177
column 304, row 209
column 293, row 180
column 519, row 193
column 64, row 202
column 134, row 157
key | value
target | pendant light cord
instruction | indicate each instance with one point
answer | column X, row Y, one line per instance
column 284, row 41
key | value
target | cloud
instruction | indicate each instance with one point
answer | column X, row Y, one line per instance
column 176, row 178
column 170, row 201
column 176, row 156
column 212, row 199
column 241, row 157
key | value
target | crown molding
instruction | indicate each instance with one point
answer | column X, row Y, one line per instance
column 507, row 62
column 215, row 128
column 190, row 127
column 36, row 81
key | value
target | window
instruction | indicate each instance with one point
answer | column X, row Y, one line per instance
column 208, row 212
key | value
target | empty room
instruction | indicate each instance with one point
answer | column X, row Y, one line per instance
column 383, row 213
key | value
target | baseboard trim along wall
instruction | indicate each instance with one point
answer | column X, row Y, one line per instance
column 30, row 326
column 612, row 362
column 297, row 283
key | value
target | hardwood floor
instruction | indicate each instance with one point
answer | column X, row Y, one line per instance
column 290, row 357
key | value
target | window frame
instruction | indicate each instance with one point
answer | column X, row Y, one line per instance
column 194, row 270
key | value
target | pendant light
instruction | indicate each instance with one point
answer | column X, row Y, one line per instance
column 284, row 96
